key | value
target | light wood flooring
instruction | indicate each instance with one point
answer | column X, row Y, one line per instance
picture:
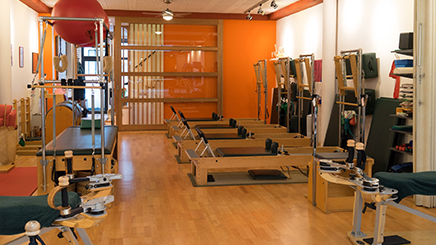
column 155, row 203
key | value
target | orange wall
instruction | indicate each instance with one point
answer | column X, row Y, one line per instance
column 245, row 42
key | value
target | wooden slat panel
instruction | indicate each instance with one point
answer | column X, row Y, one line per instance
column 167, row 100
column 169, row 48
column 172, row 74
column 173, row 21
column 117, row 70
column 220, row 106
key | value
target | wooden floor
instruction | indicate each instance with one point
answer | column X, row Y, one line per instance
column 155, row 203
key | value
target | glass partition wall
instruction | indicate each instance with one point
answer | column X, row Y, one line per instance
column 160, row 63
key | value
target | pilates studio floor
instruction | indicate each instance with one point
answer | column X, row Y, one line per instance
column 155, row 203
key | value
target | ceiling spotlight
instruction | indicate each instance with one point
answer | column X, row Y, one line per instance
column 274, row 4
column 260, row 10
column 249, row 17
column 167, row 14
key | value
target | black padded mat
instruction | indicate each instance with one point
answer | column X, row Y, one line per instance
column 243, row 151
column 199, row 119
column 212, row 126
column 244, row 178
column 389, row 240
column 222, row 136
column 267, row 174
column 380, row 136
column 80, row 141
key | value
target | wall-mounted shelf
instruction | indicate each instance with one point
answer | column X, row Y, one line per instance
column 408, row 52
column 405, row 152
column 404, row 72
column 401, row 132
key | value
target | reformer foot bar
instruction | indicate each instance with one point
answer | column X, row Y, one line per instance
column 383, row 189
column 354, row 57
column 260, row 69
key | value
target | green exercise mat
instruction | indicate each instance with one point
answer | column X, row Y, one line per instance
column 381, row 136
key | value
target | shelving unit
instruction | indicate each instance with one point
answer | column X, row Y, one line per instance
column 400, row 137
column 404, row 71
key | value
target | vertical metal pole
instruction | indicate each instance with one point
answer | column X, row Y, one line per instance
column 300, row 109
column 288, row 85
column 357, row 215
column 43, row 162
column 314, row 167
column 102, row 160
column 265, row 85
column 380, row 218
column 93, row 119
column 314, row 129
column 363, row 96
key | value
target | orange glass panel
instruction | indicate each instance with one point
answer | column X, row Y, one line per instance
column 191, row 110
column 190, row 35
column 190, row 61
column 190, row 87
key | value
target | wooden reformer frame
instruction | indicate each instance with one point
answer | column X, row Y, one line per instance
column 287, row 140
column 307, row 61
column 354, row 57
column 282, row 69
column 300, row 156
column 261, row 81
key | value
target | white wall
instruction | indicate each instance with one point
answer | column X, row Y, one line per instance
column 301, row 33
column 5, row 51
column 375, row 26
column 372, row 25
column 24, row 33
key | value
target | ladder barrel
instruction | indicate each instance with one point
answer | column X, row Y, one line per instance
column 309, row 74
column 354, row 73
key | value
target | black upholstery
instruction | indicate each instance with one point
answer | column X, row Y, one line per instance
column 244, row 151
column 80, row 141
column 266, row 174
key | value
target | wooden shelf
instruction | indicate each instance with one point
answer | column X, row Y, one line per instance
column 408, row 52
column 408, row 75
column 401, row 132
column 405, row 152
column 402, row 117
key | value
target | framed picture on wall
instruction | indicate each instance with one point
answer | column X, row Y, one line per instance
column 21, row 53
column 35, row 57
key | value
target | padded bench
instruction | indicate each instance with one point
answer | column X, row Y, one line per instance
column 80, row 142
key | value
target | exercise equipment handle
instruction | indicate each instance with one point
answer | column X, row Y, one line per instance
column 63, row 184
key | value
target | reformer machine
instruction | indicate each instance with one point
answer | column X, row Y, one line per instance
column 247, row 157
column 353, row 59
column 381, row 190
column 261, row 81
column 74, row 212
column 100, row 26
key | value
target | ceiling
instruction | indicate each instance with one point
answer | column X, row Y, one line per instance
column 190, row 6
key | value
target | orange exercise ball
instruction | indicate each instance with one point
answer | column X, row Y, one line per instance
column 78, row 32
